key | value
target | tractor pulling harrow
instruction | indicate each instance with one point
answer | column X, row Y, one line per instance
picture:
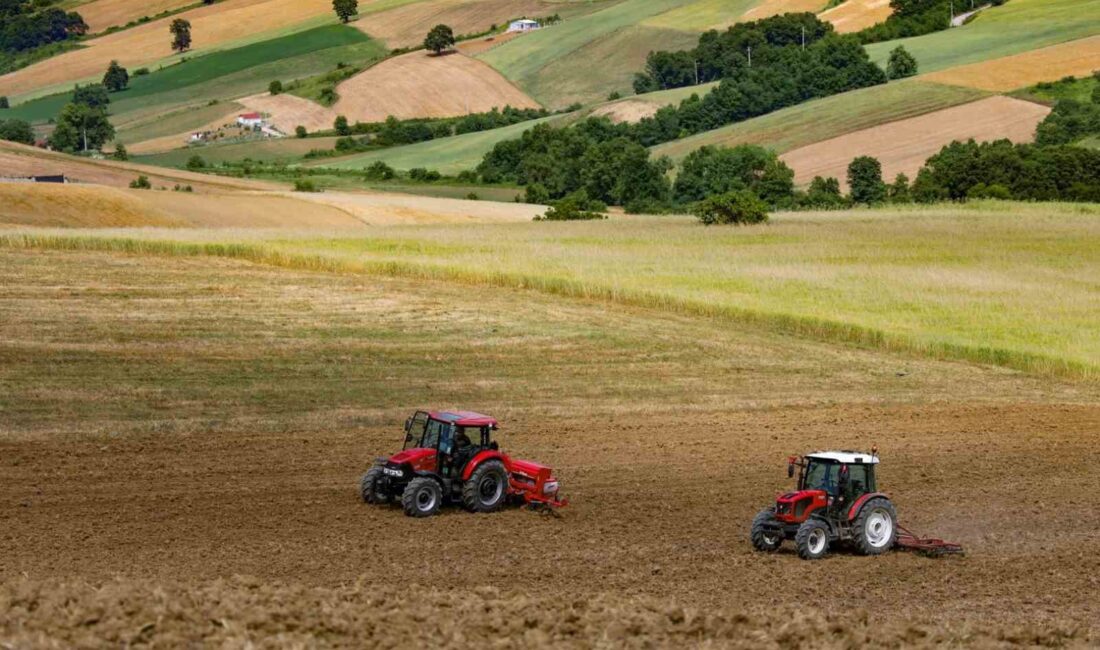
column 837, row 503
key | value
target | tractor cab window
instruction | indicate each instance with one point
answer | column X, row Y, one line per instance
column 434, row 432
column 822, row 476
column 414, row 429
column 859, row 481
column 468, row 437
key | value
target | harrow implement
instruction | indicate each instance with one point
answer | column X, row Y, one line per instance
column 910, row 541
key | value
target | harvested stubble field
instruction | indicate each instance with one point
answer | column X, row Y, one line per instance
column 903, row 146
column 854, row 15
column 212, row 26
column 1075, row 58
column 181, row 439
column 102, row 14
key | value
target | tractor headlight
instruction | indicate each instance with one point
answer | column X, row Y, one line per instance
column 550, row 487
column 391, row 471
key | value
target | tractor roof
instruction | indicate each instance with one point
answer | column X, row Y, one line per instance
column 464, row 418
column 846, row 457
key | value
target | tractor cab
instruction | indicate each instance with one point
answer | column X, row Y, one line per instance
column 451, row 457
column 843, row 475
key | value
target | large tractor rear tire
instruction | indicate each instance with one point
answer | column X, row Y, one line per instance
column 422, row 497
column 767, row 532
column 368, row 486
column 875, row 528
column 812, row 539
column 487, row 488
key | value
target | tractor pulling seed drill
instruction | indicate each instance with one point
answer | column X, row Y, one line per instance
column 450, row 457
column 837, row 503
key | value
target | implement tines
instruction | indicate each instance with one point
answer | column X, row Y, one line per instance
column 909, row 541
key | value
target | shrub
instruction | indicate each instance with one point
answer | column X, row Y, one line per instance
column 341, row 125
column 472, row 196
column 737, row 207
column 991, row 191
column 424, row 175
column 379, row 171
column 300, row 131
column 4, row 102
column 275, row 87
column 569, row 209
column 614, row 95
column 305, row 185
column 196, row 162
column 901, row 64
column 141, row 72
column 141, row 183
column 120, row 152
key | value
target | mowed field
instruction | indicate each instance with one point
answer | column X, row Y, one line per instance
column 182, row 437
column 822, row 119
column 853, row 15
column 903, row 146
column 1075, row 58
column 212, row 26
column 459, row 85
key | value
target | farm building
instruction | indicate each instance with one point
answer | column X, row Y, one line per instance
column 250, row 120
column 523, row 25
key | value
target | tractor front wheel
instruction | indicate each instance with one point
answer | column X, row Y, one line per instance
column 422, row 497
column 368, row 486
column 767, row 534
column 487, row 488
column 875, row 527
column 812, row 539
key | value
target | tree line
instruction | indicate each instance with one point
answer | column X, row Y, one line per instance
column 916, row 18
column 25, row 25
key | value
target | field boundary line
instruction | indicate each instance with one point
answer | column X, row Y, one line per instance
column 803, row 326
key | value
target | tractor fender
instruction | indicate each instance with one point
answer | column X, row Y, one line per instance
column 481, row 457
column 853, row 512
column 418, row 473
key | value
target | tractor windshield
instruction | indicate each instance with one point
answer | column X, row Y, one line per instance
column 414, row 430
column 822, row 476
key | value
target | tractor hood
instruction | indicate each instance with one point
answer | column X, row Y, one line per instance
column 798, row 495
column 418, row 457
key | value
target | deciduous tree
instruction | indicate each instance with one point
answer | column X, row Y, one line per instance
column 901, row 64
column 440, row 38
column 865, row 180
column 181, row 35
column 116, row 78
column 345, row 9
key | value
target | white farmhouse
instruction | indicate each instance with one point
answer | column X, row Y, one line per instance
column 250, row 120
column 523, row 25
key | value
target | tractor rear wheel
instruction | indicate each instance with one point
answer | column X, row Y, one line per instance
column 487, row 488
column 812, row 539
column 368, row 486
column 767, row 533
column 875, row 528
column 422, row 497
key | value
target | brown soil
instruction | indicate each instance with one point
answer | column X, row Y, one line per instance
column 1076, row 58
column 102, row 14
column 288, row 112
column 904, row 146
column 476, row 46
column 630, row 110
column 422, row 85
column 131, row 532
column 854, row 15
column 770, row 8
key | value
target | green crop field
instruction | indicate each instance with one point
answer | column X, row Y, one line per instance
column 702, row 15
column 521, row 59
column 1017, row 26
column 227, row 74
column 445, row 155
column 829, row 117
column 160, row 124
column 1004, row 283
column 610, row 65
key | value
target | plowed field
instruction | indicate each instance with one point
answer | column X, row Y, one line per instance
column 181, row 440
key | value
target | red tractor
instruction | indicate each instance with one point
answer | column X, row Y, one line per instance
column 835, row 502
column 450, row 457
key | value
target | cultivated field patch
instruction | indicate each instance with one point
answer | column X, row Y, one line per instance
column 457, row 85
column 316, row 372
column 903, row 146
column 1075, row 58
column 407, row 25
column 855, row 15
column 825, row 118
column 1014, row 27
column 102, row 14
column 287, row 112
column 701, row 15
column 211, row 26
